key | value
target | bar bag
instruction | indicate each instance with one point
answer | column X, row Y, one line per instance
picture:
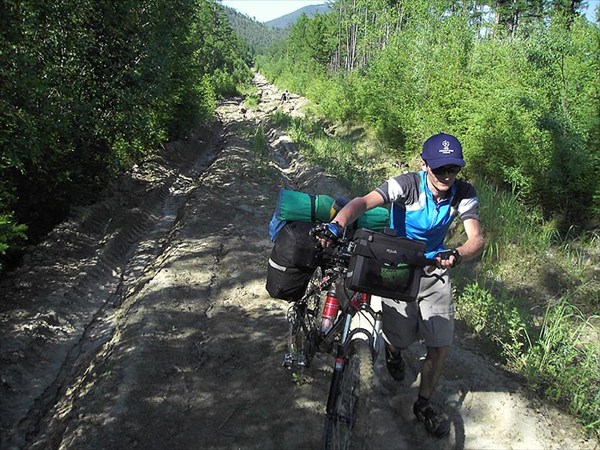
column 385, row 265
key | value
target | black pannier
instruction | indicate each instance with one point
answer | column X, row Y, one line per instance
column 287, row 283
column 385, row 265
column 295, row 248
column 294, row 258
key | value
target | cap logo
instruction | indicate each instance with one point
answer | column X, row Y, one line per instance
column 446, row 150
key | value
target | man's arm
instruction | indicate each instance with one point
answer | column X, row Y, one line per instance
column 474, row 243
column 353, row 210
column 357, row 207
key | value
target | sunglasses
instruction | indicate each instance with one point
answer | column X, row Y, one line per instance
column 446, row 170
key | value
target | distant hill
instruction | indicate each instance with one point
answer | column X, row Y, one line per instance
column 259, row 36
column 288, row 19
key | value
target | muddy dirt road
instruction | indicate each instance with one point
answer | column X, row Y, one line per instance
column 143, row 322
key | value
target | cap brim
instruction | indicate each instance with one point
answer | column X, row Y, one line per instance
column 435, row 163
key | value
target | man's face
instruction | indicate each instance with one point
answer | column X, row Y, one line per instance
column 443, row 177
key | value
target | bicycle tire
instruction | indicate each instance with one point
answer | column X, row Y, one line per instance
column 303, row 340
column 347, row 427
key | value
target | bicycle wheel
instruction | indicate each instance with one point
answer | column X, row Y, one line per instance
column 347, row 426
column 305, row 325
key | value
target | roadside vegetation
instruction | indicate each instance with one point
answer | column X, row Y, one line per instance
column 521, row 88
column 89, row 87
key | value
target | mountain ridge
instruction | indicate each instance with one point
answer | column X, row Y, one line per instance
column 289, row 19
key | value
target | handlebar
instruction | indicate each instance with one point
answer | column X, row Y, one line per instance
column 341, row 251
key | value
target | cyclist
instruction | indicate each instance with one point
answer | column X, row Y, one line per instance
column 423, row 205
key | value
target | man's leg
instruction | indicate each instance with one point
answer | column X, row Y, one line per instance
column 435, row 423
column 436, row 328
column 400, row 322
column 431, row 370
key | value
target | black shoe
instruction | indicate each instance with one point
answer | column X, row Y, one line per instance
column 395, row 364
column 435, row 423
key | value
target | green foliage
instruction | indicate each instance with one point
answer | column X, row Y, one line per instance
column 523, row 130
column 563, row 362
column 524, row 98
column 12, row 236
column 259, row 143
column 498, row 318
column 257, row 36
column 90, row 86
column 510, row 225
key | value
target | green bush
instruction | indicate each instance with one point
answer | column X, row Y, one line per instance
column 12, row 237
column 498, row 318
column 89, row 87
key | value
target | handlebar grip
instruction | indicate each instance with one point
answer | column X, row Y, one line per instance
column 328, row 231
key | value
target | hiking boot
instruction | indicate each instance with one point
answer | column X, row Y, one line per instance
column 435, row 423
column 395, row 364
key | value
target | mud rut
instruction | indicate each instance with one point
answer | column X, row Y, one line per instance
column 144, row 322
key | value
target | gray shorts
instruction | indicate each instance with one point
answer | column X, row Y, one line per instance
column 430, row 317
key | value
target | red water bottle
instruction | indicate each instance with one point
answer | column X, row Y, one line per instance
column 330, row 311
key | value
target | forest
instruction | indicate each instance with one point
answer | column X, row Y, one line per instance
column 90, row 87
column 518, row 81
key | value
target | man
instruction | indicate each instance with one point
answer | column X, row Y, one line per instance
column 423, row 205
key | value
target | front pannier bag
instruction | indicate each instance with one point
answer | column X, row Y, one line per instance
column 385, row 265
column 293, row 259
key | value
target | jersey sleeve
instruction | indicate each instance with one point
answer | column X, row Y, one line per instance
column 468, row 202
column 398, row 189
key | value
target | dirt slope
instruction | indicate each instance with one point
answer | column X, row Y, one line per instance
column 144, row 323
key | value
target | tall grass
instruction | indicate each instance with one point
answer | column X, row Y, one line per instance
column 559, row 359
column 508, row 222
column 564, row 363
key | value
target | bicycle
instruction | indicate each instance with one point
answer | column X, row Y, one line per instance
column 355, row 348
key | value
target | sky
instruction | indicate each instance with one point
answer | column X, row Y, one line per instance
column 265, row 10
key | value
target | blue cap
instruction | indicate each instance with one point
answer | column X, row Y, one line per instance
column 442, row 150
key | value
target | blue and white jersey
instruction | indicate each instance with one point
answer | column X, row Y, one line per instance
column 416, row 215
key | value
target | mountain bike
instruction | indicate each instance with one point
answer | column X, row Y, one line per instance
column 352, row 335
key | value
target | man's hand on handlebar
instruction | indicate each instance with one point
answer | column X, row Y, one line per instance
column 448, row 258
column 328, row 233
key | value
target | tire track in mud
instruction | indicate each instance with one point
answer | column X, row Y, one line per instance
column 66, row 328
